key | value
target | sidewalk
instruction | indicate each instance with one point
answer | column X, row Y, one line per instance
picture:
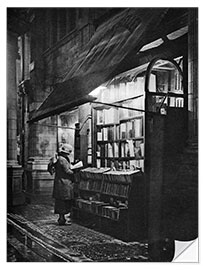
column 81, row 242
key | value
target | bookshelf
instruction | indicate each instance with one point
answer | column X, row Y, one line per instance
column 114, row 200
column 119, row 137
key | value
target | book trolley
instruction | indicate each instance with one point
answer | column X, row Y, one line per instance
column 113, row 201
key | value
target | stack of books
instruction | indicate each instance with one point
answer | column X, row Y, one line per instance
column 93, row 173
column 84, row 184
column 115, row 189
column 84, row 204
column 97, row 207
column 119, row 176
column 96, row 185
column 110, row 212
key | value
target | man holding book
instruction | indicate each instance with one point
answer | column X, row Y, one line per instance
column 63, row 184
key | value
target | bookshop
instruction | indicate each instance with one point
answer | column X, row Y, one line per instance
column 128, row 131
column 132, row 129
column 128, row 141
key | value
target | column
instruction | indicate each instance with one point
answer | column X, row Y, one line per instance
column 11, row 100
column 14, row 171
column 193, row 72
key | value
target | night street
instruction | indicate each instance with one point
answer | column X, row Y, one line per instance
column 72, row 243
column 102, row 133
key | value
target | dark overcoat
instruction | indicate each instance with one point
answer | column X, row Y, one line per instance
column 63, row 182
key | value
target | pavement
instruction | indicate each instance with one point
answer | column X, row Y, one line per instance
column 79, row 242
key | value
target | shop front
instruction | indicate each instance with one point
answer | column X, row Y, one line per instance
column 128, row 122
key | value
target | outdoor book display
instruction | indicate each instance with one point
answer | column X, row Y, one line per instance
column 114, row 200
column 111, row 194
column 135, row 139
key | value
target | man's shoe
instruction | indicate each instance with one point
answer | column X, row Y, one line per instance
column 61, row 221
column 69, row 222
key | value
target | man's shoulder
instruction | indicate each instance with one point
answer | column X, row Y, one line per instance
column 62, row 159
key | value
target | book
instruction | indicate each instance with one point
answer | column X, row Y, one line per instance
column 106, row 150
column 100, row 119
column 130, row 129
column 106, row 163
column 133, row 164
column 120, row 176
column 123, row 150
column 78, row 165
column 117, row 133
column 116, row 150
column 98, row 163
column 99, row 135
column 107, row 116
column 132, row 104
column 110, row 150
column 127, row 150
column 123, row 130
column 138, row 127
column 110, row 133
column 142, row 149
column 123, row 113
column 111, row 115
column 105, row 134
column 131, row 148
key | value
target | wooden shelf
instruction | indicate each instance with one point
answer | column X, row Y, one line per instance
column 90, row 190
column 168, row 94
column 121, row 158
column 115, row 195
column 108, row 125
column 120, row 140
column 120, row 121
column 130, row 118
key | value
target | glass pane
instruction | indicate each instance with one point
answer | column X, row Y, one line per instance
column 165, row 78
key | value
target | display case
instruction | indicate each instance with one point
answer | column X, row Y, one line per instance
column 113, row 201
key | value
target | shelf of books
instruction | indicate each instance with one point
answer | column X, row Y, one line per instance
column 107, row 194
column 119, row 139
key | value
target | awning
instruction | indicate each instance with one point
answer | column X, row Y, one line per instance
column 112, row 42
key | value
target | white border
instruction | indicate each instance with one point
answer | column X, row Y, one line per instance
column 103, row 3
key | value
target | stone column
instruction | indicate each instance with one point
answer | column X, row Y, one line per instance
column 11, row 100
column 14, row 171
column 193, row 72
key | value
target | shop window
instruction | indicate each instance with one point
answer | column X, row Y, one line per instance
column 120, row 127
column 165, row 86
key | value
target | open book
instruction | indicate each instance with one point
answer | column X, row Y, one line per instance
column 77, row 165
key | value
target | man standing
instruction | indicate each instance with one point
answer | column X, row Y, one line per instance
column 63, row 185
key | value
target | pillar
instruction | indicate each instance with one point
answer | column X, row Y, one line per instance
column 193, row 72
column 14, row 171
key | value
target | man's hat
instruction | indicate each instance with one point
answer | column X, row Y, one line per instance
column 65, row 148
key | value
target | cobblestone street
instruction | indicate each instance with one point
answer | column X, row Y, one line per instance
column 80, row 242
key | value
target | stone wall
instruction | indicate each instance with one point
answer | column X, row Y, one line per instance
column 60, row 59
column 50, row 67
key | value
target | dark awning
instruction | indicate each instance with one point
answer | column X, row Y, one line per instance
column 101, row 59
